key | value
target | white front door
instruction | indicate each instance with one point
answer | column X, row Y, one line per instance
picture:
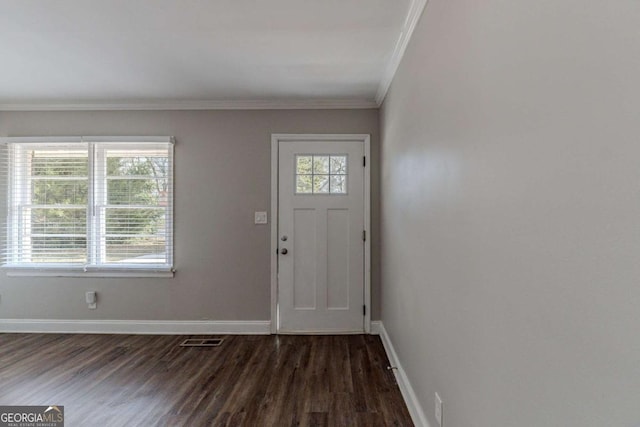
column 320, row 236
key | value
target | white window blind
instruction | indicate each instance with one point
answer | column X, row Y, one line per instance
column 88, row 204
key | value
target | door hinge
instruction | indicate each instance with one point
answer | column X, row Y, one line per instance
column 364, row 310
column 364, row 161
column 364, row 235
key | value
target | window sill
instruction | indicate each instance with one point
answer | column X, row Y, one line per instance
column 59, row 271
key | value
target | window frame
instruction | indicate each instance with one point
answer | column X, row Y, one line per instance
column 313, row 174
column 92, row 267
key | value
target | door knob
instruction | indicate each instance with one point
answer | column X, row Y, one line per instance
column 284, row 251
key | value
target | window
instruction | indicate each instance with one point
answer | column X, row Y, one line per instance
column 321, row 174
column 89, row 205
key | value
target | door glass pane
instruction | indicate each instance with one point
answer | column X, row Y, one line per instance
column 320, row 164
column 338, row 165
column 321, row 184
column 304, row 165
column 303, row 184
column 338, row 184
column 321, row 174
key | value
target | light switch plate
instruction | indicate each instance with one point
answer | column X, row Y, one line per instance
column 260, row 218
column 90, row 297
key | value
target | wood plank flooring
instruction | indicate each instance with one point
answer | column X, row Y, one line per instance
column 145, row 380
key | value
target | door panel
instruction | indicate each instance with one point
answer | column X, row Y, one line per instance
column 320, row 224
column 304, row 259
column 338, row 259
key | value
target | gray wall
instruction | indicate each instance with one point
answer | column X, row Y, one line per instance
column 511, row 212
column 223, row 172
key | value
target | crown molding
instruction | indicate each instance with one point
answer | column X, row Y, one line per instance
column 415, row 12
column 307, row 104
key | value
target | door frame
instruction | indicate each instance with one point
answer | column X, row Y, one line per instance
column 276, row 138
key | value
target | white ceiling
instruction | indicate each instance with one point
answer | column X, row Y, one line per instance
column 134, row 52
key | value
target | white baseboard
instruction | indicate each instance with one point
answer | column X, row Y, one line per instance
column 153, row 327
column 410, row 398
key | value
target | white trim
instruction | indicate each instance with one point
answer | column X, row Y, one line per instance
column 143, row 139
column 367, row 227
column 106, row 272
column 275, row 140
column 415, row 11
column 130, row 139
column 258, row 104
column 41, row 139
column 159, row 327
column 320, row 136
column 274, row 234
column 410, row 398
column 321, row 332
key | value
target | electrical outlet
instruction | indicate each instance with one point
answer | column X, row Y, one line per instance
column 438, row 410
column 91, row 299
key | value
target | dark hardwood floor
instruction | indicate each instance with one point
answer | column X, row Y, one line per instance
column 143, row 380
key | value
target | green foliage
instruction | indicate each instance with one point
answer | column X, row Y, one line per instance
column 47, row 224
column 140, row 181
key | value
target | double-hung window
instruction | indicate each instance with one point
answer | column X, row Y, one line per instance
column 88, row 206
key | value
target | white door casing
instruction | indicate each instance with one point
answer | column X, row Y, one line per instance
column 320, row 259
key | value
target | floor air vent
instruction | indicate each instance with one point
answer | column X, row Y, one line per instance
column 202, row 342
